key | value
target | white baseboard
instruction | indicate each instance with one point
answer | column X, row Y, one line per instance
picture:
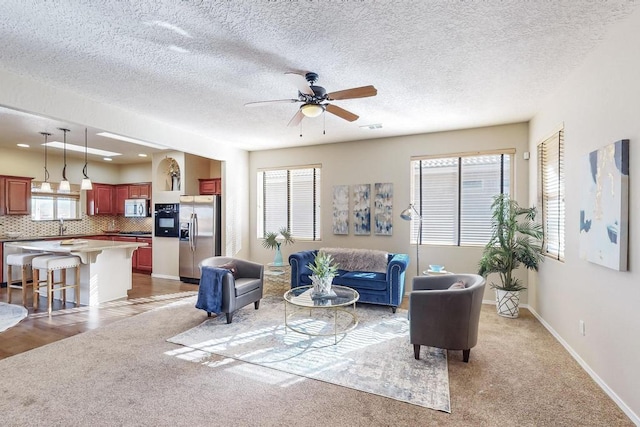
column 632, row 415
column 165, row 276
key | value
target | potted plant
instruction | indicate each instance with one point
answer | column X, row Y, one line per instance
column 324, row 270
column 516, row 240
column 273, row 240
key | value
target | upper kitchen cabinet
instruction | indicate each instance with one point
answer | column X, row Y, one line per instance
column 122, row 194
column 15, row 195
column 101, row 200
column 210, row 186
column 140, row 191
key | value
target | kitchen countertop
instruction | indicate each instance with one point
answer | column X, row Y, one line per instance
column 67, row 236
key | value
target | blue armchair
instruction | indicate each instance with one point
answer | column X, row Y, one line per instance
column 374, row 287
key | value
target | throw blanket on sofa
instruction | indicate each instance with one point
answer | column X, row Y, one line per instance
column 359, row 259
column 210, row 289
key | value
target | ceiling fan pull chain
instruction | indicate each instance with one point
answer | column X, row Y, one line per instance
column 324, row 123
column 301, row 129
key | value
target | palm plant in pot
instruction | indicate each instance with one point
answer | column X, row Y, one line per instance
column 324, row 270
column 516, row 240
column 273, row 240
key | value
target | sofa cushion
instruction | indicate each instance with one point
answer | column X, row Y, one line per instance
column 362, row 280
column 231, row 266
column 458, row 285
column 359, row 259
column 246, row 285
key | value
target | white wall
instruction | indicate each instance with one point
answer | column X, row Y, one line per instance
column 599, row 104
column 388, row 160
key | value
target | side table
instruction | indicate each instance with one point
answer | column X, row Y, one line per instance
column 277, row 279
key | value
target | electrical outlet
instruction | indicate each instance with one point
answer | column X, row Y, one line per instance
column 582, row 328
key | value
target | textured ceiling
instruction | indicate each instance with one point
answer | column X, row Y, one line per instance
column 437, row 65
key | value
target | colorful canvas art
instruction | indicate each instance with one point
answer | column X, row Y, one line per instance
column 604, row 209
column 362, row 209
column 340, row 209
column 383, row 209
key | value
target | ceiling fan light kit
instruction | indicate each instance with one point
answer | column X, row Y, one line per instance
column 315, row 99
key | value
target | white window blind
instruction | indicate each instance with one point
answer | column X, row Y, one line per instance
column 551, row 193
column 289, row 198
column 454, row 196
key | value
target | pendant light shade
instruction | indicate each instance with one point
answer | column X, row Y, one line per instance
column 45, row 187
column 64, row 186
column 86, row 182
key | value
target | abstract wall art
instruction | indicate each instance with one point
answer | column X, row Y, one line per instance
column 604, row 206
column 362, row 209
column 383, row 209
column 340, row 209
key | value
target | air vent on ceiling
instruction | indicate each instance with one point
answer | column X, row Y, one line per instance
column 372, row 126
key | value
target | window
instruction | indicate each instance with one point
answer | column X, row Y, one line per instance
column 54, row 206
column 290, row 198
column 551, row 194
column 454, row 196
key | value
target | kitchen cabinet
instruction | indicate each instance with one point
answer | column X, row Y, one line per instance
column 122, row 194
column 100, row 200
column 140, row 191
column 15, row 195
column 210, row 186
column 144, row 261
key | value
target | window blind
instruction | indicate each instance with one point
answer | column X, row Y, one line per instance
column 551, row 193
column 454, row 196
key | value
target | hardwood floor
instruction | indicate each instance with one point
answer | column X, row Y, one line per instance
column 39, row 329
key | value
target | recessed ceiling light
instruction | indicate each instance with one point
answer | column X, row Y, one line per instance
column 23, row 145
column 80, row 149
column 107, row 159
column 132, row 140
column 142, row 155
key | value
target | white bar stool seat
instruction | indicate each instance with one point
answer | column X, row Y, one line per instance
column 51, row 263
column 23, row 261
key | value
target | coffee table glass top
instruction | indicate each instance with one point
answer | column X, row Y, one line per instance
column 301, row 296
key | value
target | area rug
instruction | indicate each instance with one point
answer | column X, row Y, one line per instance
column 11, row 315
column 375, row 357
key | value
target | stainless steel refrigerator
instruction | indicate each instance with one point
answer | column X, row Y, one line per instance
column 199, row 233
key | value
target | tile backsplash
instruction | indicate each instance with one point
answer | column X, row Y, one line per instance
column 87, row 225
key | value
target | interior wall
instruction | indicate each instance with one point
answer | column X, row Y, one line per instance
column 133, row 173
column 599, row 104
column 388, row 160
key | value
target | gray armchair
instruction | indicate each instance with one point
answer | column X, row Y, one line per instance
column 442, row 317
column 244, row 289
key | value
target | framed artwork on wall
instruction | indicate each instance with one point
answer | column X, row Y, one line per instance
column 340, row 209
column 383, row 209
column 362, row 209
column 604, row 206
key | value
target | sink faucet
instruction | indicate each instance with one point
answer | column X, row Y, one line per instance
column 61, row 228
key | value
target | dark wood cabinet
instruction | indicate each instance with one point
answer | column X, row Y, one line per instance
column 210, row 186
column 100, row 200
column 122, row 194
column 15, row 195
column 140, row 191
column 145, row 255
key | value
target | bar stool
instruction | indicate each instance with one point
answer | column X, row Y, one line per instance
column 23, row 261
column 51, row 263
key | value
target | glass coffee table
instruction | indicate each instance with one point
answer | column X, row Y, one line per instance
column 343, row 303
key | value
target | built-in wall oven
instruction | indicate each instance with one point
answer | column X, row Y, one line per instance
column 167, row 219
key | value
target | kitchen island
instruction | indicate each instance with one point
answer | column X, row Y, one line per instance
column 105, row 272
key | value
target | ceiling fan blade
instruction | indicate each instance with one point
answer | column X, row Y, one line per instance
column 341, row 112
column 356, row 92
column 300, row 82
column 296, row 119
column 275, row 101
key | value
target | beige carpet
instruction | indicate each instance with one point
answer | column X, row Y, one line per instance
column 120, row 374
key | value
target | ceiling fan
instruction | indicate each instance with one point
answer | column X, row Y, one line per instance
column 315, row 99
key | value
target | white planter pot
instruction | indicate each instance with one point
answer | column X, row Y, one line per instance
column 507, row 303
column 321, row 286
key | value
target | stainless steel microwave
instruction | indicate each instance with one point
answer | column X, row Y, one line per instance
column 136, row 208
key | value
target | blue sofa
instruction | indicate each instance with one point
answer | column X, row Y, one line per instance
column 374, row 287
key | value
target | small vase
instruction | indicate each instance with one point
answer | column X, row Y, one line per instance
column 175, row 183
column 321, row 287
column 277, row 261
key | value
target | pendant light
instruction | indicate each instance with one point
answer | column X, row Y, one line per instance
column 86, row 182
column 45, row 187
column 64, row 186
